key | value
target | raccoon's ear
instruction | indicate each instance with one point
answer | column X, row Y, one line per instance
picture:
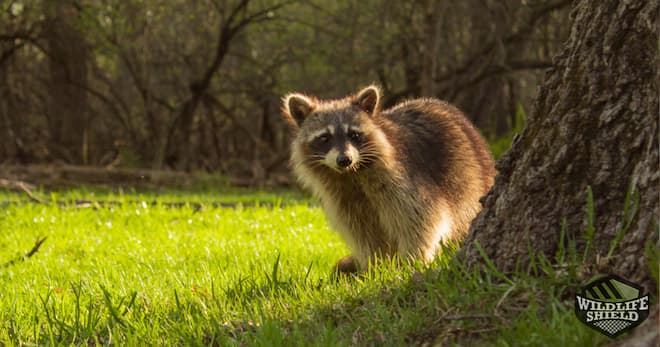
column 296, row 108
column 368, row 99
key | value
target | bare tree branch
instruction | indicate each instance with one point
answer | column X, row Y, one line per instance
column 226, row 32
column 230, row 114
column 513, row 37
column 494, row 70
column 8, row 53
column 28, row 254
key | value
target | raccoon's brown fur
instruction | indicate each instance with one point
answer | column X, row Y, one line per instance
column 396, row 181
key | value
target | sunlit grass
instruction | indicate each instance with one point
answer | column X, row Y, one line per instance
column 164, row 195
column 136, row 273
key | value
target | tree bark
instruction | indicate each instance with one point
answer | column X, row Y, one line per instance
column 67, row 104
column 594, row 124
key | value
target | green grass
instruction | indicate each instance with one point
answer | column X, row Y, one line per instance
column 133, row 274
column 500, row 144
column 164, row 195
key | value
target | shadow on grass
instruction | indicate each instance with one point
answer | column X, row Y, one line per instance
column 441, row 305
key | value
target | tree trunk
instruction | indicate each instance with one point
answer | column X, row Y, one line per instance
column 594, row 124
column 67, row 103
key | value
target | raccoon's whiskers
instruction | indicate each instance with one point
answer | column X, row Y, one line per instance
column 370, row 150
column 320, row 164
column 317, row 163
column 368, row 154
column 369, row 157
column 370, row 147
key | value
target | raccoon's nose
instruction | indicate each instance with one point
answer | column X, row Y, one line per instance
column 343, row 160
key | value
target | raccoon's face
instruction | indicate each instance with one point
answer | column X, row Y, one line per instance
column 336, row 135
column 337, row 144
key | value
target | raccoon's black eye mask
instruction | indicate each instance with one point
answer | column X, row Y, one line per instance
column 321, row 143
column 355, row 136
column 321, row 139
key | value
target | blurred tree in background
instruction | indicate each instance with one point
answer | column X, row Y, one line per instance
column 196, row 85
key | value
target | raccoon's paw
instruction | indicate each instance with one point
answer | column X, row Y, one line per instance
column 346, row 266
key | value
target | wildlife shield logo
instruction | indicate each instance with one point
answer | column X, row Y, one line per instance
column 612, row 305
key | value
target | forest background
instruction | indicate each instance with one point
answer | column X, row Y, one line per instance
column 196, row 86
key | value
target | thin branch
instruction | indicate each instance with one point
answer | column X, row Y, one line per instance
column 494, row 70
column 123, row 106
column 8, row 53
column 226, row 33
column 260, row 16
column 312, row 24
column 227, row 112
column 513, row 37
column 104, row 99
column 22, row 186
column 26, row 188
column 28, row 254
column 16, row 36
column 26, row 36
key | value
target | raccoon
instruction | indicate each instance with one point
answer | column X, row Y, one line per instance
column 398, row 181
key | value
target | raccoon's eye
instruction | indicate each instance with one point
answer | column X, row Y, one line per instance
column 355, row 136
column 323, row 138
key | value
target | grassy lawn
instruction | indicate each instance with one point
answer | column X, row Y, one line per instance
column 144, row 272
